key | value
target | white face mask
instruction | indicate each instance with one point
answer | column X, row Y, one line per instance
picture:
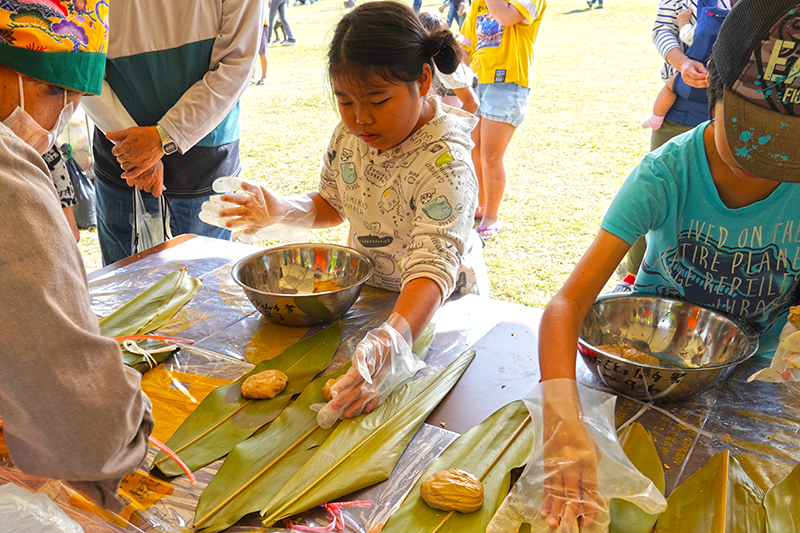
column 27, row 129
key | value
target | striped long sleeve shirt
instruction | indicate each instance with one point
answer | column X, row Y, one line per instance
column 665, row 29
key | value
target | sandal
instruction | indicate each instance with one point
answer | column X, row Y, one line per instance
column 489, row 232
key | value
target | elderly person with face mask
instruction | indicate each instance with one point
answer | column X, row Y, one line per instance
column 71, row 409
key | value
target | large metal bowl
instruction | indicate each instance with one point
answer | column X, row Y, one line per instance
column 697, row 347
column 279, row 281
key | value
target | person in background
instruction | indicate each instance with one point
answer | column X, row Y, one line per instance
column 71, row 409
column 262, row 54
column 499, row 36
column 398, row 169
column 454, row 89
column 278, row 7
column 456, row 10
column 696, row 197
column 675, row 23
column 63, row 184
column 164, row 129
column 701, row 36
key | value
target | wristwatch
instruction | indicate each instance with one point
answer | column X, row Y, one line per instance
column 167, row 144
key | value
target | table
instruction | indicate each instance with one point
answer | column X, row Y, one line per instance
column 759, row 422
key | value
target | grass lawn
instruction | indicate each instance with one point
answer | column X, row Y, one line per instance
column 596, row 75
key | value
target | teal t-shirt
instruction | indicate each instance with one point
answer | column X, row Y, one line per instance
column 742, row 261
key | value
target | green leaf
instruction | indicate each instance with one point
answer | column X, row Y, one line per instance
column 256, row 469
column 138, row 361
column 718, row 498
column 225, row 417
column 638, row 445
column 151, row 309
column 489, row 452
column 782, row 505
column 362, row 451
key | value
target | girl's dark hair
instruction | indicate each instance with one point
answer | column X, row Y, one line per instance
column 715, row 88
column 385, row 39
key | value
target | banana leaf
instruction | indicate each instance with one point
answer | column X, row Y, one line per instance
column 225, row 417
column 781, row 504
column 362, row 451
column 255, row 469
column 152, row 308
column 718, row 498
column 638, row 446
column 140, row 363
column 488, row 451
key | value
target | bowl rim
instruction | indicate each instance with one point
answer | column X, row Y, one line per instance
column 238, row 265
column 750, row 334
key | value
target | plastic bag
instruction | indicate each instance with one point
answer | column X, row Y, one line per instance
column 22, row 511
column 382, row 361
column 616, row 477
column 84, row 209
column 149, row 230
column 293, row 224
column 785, row 365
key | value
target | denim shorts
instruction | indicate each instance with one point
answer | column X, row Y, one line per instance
column 503, row 102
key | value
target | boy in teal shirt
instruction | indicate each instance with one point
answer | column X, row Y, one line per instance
column 719, row 206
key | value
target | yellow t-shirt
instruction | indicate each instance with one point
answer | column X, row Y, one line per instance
column 502, row 53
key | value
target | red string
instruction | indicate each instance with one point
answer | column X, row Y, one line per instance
column 337, row 519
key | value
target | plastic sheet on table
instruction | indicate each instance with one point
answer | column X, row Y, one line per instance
column 255, row 338
column 759, row 421
column 89, row 516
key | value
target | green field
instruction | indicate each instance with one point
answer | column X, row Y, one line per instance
column 596, row 75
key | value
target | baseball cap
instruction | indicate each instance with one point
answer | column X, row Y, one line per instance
column 59, row 42
column 757, row 54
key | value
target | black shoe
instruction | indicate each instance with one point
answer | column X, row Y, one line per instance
column 590, row 3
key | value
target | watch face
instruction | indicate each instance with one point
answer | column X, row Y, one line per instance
column 170, row 147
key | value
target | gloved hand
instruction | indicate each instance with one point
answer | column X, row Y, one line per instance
column 381, row 362
column 785, row 365
column 255, row 213
column 577, row 465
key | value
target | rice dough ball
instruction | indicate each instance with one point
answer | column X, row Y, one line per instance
column 264, row 385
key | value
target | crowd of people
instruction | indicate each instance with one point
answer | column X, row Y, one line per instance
column 408, row 169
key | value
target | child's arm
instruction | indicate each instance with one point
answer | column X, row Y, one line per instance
column 469, row 100
column 504, row 13
column 571, row 490
column 563, row 316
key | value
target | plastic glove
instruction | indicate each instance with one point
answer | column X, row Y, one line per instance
column 785, row 365
column 255, row 213
column 577, row 465
column 381, row 362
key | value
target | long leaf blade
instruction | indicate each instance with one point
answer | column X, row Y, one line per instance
column 488, row 451
column 256, row 469
column 225, row 418
column 718, row 498
column 781, row 504
column 152, row 308
column 639, row 447
column 362, row 451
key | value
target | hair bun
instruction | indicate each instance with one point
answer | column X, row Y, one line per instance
column 434, row 45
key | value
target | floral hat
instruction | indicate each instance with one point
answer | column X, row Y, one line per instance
column 60, row 42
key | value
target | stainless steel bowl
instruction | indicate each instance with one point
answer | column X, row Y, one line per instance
column 697, row 347
column 279, row 281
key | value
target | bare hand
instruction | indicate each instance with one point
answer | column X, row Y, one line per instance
column 151, row 180
column 684, row 18
column 694, row 74
column 137, row 149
